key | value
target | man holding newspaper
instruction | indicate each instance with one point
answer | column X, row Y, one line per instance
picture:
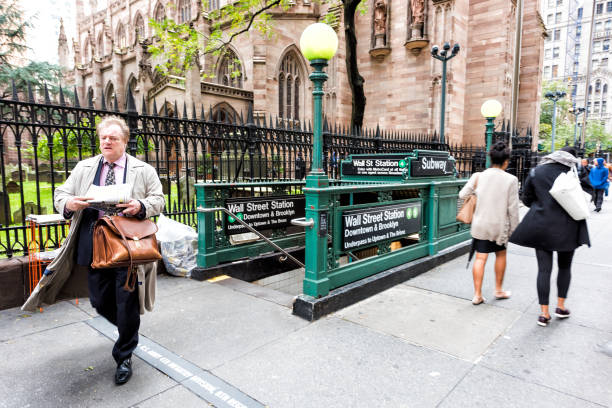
column 139, row 190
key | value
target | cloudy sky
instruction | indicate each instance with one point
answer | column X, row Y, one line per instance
column 45, row 18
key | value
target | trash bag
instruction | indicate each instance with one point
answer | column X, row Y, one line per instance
column 179, row 246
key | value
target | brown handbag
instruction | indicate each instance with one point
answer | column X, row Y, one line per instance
column 466, row 212
column 124, row 242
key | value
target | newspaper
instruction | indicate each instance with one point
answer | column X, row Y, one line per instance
column 105, row 198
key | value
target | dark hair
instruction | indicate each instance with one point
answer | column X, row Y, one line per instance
column 571, row 150
column 499, row 153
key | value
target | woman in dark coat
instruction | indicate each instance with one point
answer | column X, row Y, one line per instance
column 547, row 227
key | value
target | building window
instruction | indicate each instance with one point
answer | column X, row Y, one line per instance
column 574, row 89
column 549, row 19
column 603, row 107
column 579, row 13
column 230, row 70
column 596, row 46
column 86, row 51
column 594, row 62
column 160, row 13
column 598, row 86
column 609, row 7
column 576, row 64
column 599, row 9
column 606, row 45
column 547, row 53
column 604, row 63
column 289, row 81
column 555, row 71
column 598, row 26
column 596, row 107
column 557, row 18
column 213, row 5
column 546, row 72
column 588, row 107
column 557, row 35
column 184, row 10
column 556, row 52
column 139, row 29
column 110, row 96
column 559, row 2
column 551, row 3
column 121, row 38
column 578, row 31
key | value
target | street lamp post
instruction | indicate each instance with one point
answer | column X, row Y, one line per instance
column 554, row 96
column 576, row 112
column 490, row 109
column 318, row 44
column 443, row 56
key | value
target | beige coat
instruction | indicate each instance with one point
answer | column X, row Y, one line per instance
column 68, row 280
column 496, row 214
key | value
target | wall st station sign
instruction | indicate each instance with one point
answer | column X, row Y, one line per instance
column 368, row 226
column 263, row 213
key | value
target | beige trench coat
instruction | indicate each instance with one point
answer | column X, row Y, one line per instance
column 70, row 281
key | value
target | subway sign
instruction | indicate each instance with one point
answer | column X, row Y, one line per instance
column 368, row 226
column 432, row 164
column 263, row 213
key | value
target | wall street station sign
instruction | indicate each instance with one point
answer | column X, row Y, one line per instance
column 368, row 226
column 263, row 213
column 374, row 165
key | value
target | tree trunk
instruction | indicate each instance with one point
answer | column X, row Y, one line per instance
column 355, row 79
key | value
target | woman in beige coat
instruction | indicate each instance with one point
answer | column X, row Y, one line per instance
column 495, row 217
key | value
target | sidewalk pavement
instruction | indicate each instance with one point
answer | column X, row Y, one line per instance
column 419, row 344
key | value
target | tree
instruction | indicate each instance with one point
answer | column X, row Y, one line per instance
column 563, row 105
column 12, row 32
column 180, row 44
column 596, row 137
column 37, row 74
column 12, row 45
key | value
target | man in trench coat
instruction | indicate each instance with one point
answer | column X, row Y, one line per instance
column 70, row 274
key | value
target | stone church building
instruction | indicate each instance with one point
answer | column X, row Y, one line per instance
column 402, row 80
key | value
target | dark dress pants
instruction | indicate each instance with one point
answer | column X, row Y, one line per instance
column 598, row 196
column 118, row 306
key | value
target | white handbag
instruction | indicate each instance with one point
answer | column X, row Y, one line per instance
column 566, row 190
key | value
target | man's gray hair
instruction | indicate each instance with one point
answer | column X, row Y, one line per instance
column 114, row 120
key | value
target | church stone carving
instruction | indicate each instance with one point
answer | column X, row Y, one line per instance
column 380, row 44
column 417, row 26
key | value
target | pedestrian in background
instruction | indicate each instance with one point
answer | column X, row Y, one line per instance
column 547, row 227
column 583, row 174
column 599, row 178
column 495, row 217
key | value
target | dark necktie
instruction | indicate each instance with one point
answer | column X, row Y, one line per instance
column 110, row 176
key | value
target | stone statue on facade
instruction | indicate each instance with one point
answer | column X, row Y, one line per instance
column 417, row 7
column 380, row 23
column 417, row 16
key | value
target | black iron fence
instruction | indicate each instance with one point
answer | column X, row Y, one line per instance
column 41, row 142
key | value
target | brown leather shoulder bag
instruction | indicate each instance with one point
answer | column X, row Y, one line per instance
column 124, row 242
column 466, row 212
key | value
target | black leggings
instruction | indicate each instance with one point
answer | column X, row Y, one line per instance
column 545, row 258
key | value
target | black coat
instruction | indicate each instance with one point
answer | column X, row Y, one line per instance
column 547, row 225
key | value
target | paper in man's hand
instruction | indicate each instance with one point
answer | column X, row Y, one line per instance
column 106, row 198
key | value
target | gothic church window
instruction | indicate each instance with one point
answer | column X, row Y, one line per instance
column 289, row 82
column 139, row 29
column 86, row 51
column 184, row 10
column 121, row 38
column 213, row 5
column 160, row 13
column 110, row 96
column 230, row 70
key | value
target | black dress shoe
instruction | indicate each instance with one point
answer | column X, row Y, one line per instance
column 124, row 372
